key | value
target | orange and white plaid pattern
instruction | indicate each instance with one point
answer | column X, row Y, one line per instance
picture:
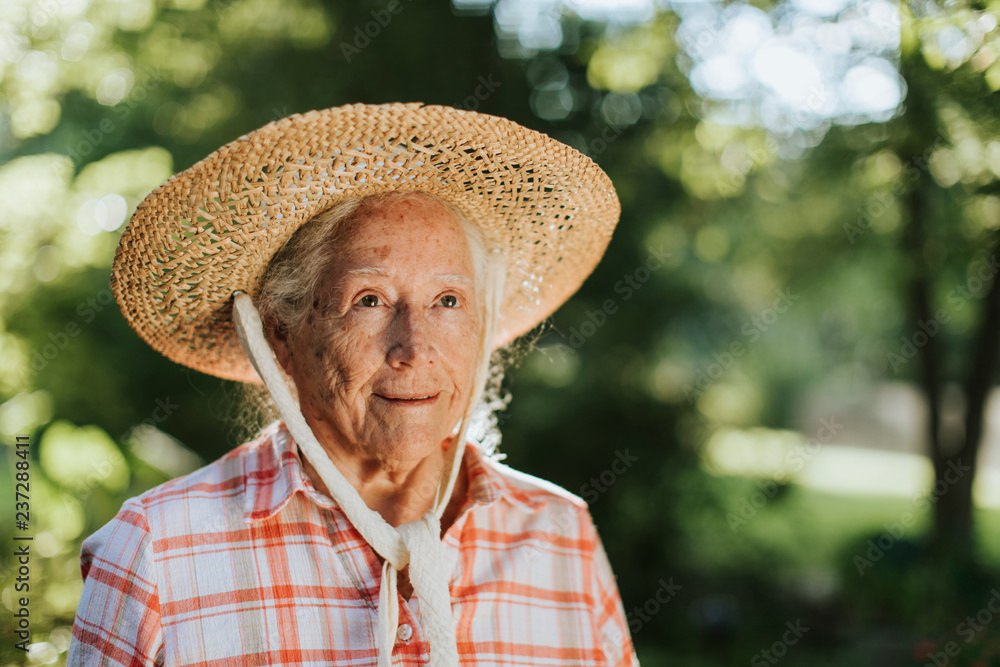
column 244, row 562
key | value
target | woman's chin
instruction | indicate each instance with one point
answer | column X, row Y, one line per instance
column 407, row 444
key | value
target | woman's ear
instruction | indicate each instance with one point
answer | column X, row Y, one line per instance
column 277, row 336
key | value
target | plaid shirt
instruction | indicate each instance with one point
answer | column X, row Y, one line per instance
column 244, row 562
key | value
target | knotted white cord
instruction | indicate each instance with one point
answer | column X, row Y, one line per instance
column 417, row 544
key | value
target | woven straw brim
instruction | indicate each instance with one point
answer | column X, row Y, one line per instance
column 213, row 228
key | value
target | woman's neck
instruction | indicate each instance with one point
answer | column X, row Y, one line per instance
column 400, row 495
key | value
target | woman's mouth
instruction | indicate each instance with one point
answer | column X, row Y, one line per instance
column 409, row 400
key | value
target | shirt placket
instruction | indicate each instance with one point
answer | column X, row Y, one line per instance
column 410, row 645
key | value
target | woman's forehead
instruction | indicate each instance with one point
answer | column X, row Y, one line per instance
column 379, row 272
column 423, row 244
column 407, row 231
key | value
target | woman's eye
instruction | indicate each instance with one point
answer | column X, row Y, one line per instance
column 368, row 301
column 449, row 301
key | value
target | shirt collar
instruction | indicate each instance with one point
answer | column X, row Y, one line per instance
column 273, row 473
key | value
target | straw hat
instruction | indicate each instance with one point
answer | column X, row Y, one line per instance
column 212, row 229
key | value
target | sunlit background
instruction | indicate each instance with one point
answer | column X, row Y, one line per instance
column 808, row 364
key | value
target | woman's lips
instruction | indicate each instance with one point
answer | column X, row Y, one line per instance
column 411, row 401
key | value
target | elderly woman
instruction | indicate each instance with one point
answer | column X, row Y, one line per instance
column 363, row 262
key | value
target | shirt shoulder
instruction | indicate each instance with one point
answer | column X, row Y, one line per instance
column 218, row 496
column 528, row 507
column 222, row 469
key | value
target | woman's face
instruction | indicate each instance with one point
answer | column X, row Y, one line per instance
column 384, row 360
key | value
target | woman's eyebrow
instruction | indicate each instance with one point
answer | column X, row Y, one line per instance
column 356, row 274
column 454, row 278
column 374, row 271
column 368, row 272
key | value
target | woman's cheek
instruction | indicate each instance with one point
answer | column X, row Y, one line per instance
column 462, row 325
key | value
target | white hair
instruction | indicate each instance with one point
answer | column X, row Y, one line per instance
column 288, row 289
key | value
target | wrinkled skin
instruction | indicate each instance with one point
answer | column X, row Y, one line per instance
column 384, row 361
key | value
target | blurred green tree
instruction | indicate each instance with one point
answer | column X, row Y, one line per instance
column 865, row 222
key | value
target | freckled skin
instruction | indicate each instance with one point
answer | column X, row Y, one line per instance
column 403, row 326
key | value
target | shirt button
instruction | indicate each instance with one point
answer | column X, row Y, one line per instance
column 404, row 632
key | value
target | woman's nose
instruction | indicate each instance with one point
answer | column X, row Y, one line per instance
column 409, row 339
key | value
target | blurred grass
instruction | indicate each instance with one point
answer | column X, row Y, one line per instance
column 805, row 527
column 800, row 546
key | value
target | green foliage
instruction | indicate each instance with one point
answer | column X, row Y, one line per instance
column 108, row 99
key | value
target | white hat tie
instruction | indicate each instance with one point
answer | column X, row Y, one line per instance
column 417, row 544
